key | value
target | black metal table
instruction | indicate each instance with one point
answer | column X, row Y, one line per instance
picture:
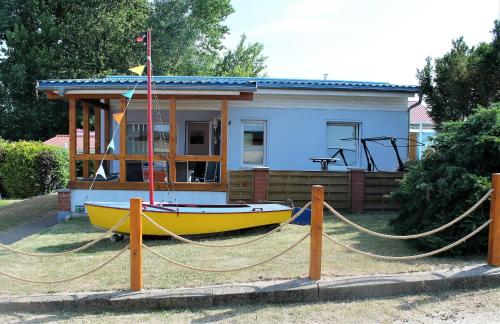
column 324, row 161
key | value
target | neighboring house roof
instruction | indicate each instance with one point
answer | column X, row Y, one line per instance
column 218, row 83
column 419, row 114
column 63, row 141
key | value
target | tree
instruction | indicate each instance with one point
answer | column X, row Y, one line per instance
column 60, row 39
column 462, row 80
column 244, row 61
column 44, row 39
column 454, row 174
column 188, row 35
column 188, row 38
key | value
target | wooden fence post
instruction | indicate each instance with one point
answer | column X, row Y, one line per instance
column 494, row 234
column 318, row 197
column 135, row 244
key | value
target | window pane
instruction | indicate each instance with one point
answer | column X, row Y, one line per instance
column 137, row 138
column 253, row 143
column 343, row 137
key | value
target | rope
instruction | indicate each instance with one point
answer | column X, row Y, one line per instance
column 228, row 269
column 78, row 249
column 69, row 278
column 185, row 240
column 409, row 257
column 408, row 237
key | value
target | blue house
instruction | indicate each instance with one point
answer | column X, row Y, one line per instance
column 206, row 126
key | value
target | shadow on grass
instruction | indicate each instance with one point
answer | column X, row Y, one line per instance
column 388, row 247
column 79, row 226
column 101, row 246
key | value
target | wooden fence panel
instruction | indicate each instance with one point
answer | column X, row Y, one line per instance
column 240, row 186
column 378, row 186
column 296, row 185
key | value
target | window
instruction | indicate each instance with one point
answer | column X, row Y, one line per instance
column 343, row 138
column 137, row 138
column 254, row 141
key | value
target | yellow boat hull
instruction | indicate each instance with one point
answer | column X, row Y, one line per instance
column 188, row 223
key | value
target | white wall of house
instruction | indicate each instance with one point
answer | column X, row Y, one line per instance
column 80, row 196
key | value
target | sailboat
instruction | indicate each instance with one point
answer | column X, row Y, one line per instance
column 183, row 219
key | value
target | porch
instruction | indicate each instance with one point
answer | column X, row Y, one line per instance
column 190, row 140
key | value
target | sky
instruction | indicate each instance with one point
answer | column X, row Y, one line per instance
column 369, row 40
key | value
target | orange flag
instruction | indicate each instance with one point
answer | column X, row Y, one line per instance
column 118, row 117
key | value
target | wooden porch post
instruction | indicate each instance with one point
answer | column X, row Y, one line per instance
column 72, row 139
column 86, row 142
column 223, row 135
column 172, row 144
column 123, row 141
column 107, row 131
column 97, row 130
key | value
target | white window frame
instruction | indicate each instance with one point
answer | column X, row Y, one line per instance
column 358, row 146
column 264, row 159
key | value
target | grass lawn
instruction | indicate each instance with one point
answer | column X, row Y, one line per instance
column 482, row 306
column 159, row 274
column 5, row 202
column 20, row 212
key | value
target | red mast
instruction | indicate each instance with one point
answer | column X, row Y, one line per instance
column 150, row 124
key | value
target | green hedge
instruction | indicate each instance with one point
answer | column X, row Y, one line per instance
column 30, row 169
column 3, row 144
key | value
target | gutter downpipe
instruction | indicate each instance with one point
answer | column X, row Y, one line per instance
column 420, row 96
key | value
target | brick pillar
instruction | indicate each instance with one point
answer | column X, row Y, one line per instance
column 260, row 180
column 63, row 204
column 357, row 204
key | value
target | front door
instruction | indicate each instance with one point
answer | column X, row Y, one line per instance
column 198, row 138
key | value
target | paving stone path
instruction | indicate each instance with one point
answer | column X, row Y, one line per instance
column 20, row 232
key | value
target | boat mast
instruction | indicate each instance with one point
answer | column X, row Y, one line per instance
column 150, row 124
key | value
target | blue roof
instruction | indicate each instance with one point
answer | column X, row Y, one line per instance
column 218, row 83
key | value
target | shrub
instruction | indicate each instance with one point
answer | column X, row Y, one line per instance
column 454, row 173
column 33, row 168
column 52, row 168
column 3, row 143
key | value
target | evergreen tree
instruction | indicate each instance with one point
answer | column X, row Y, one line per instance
column 463, row 79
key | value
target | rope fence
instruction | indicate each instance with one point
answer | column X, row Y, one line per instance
column 413, row 236
column 38, row 281
column 211, row 245
column 409, row 257
column 187, row 266
column 78, row 249
column 137, row 216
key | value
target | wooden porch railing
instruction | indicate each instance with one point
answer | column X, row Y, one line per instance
column 123, row 157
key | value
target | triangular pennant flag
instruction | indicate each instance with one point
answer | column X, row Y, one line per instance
column 128, row 94
column 111, row 145
column 138, row 69
column 101, row 172
column 118, row 117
